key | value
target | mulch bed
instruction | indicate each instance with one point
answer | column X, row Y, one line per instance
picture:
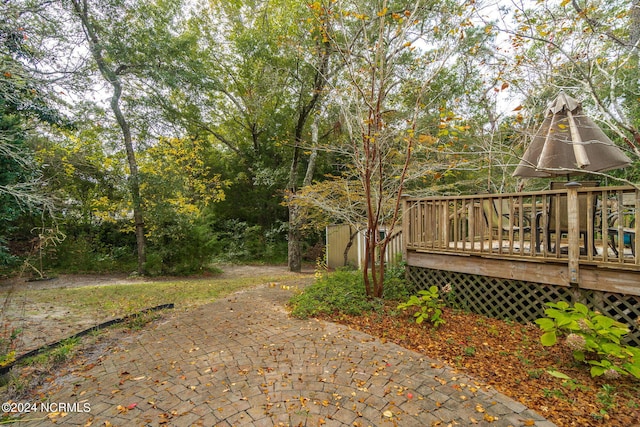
column 508, row 356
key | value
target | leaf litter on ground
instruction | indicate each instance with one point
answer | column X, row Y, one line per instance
column 509, row 357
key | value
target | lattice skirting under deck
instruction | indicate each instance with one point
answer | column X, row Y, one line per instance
column 521, row 301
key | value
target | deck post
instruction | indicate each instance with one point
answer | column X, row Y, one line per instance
column 573, row 232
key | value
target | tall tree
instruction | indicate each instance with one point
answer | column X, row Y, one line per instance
column 255, row 100
column 391, row 55
column 25, row 107
column 309, row 98
column 111, row 68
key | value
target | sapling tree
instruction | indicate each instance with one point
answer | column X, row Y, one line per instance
column 391, row 56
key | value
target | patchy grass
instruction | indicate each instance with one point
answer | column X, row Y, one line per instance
column 77, row 308
column 121, row 300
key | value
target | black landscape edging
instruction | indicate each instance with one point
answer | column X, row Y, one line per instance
column 5, row 369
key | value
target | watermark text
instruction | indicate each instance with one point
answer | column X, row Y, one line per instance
column 47, row 407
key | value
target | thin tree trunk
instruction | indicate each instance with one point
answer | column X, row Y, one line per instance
column 294, row 252
column 110, row 75
column 347, row 248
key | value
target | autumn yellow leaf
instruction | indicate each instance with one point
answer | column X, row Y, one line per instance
column 489, row 418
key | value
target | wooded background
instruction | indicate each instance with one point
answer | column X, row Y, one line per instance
column 164, row 136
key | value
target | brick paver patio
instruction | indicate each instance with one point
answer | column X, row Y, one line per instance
column 241, row 361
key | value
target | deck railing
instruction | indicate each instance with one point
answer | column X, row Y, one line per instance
column 571, row 224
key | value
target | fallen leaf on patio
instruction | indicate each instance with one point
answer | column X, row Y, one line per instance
column 132, row 405
column 529, row 422
column 489, row 418
column 388, row 414
column 473, row 420
column 53, row 416
column 479, row 408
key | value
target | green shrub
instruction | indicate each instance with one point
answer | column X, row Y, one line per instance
column 238, row 241
column 426, row 305
column 342, row 291
column 86, row 249
column 595, row 339
column 395, row 289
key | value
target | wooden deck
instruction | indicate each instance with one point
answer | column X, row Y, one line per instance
column 571, row 236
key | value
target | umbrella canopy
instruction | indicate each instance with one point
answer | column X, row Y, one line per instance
column 569, row 140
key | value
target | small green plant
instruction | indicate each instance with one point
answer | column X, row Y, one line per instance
column 535, row 373
column 547, row 392
column 632, row 404
column 138, row 321
column 469, row 351
column 64, row 351
column 8, row 345
column 428, row 305
column 595, row 339
column 606, row 398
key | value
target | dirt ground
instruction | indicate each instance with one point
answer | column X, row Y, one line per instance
column 229, row 271
column 43, row 324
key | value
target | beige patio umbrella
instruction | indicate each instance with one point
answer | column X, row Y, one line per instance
column 568, row 141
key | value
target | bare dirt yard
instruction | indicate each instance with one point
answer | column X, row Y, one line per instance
column 42, row 322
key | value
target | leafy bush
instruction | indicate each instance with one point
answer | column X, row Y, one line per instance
column 83, row 254
column 594, row 338
column 236, row 240
column 180, row 249
column 397, row 270
column 395, row 289
column 427, row 306
column 342, row 291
